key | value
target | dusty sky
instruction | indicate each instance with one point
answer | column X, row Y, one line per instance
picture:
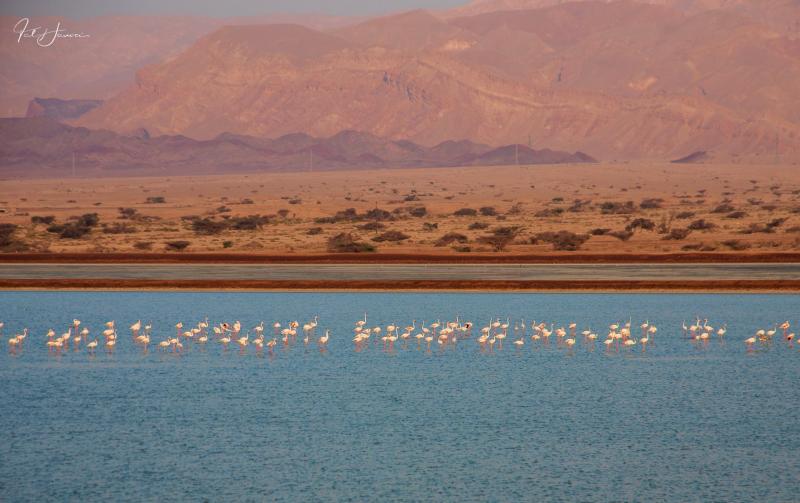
column 217, row 8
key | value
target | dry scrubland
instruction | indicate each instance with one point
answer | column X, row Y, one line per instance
column 604, row 208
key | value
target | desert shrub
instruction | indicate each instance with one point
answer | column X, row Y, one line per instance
column 599, row 231
column 651, row 204
column 418, row 211
column 119, row 228
column 86, row 220
column 769, row 207
column 488, row 211
column 227, row 244
column 451, row 237
column 579, row 205
column 314, row 231
column 392, row 236
column 736, row 214
column 47, row 220
column 736, row 245
column 558, row 199
column 127, row 213
column 685, row 215
column 283, row 212
column 701, row 225
column 699, row 247
column 371, row 226
column 430, row 226
column 156, row 200
column 248, row 223
column 378, row 214
column 295, row 200
column 478, row 226
column 143, row 245
column 723, row 208
column 614, row 208
column 677, row 234
column 793, row 230
column 6, row 234
column 246, row 200
column 177, row 245
column 410, row 198
column 462, row 249
column 346, row 243
column 549, row 212
column 208, row 226
column 767, row 228
column 71, row 230
column 465, row 212
column 563, row 240
column 622, row 235
column 641, row 223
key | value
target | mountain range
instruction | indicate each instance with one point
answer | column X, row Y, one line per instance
column 622, row 80
column 43, row 147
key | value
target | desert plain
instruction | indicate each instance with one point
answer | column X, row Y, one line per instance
column 604, row 208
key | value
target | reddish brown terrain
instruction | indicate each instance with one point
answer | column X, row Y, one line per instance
column 630, row 209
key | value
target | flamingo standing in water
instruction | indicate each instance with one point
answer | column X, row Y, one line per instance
column 325, row 338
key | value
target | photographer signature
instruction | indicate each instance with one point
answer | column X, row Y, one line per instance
column 44, row 37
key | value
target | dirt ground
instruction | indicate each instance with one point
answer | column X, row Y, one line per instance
column 621, row 209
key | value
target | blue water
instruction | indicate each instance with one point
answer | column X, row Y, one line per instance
column 680, row 422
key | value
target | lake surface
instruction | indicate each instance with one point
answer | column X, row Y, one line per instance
column 387, row 272
column 680, row 422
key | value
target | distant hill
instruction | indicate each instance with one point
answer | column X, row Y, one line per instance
column 57, row 109
column 42, row 147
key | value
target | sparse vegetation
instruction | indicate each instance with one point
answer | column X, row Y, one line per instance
column 478, row 226
column 346, row 243
column 450, row 238
column 393, row 236
column 156, row 200
column 622, row 235
column 641, row 223
column 677, row 234
column 177, row 245
column 465, row 212
column 46, row 220
column 736, row 245
column 614, row 208
column 119, row 228
column 549, row 212
column 701, row 225
column 651, row 204
column 563, row 240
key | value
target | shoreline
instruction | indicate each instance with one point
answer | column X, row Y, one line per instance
column 409, row 286
column 399, row 258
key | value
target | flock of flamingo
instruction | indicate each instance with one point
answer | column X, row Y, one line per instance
column 445, row 334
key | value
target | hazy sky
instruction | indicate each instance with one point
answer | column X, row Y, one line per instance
column 218, row 8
